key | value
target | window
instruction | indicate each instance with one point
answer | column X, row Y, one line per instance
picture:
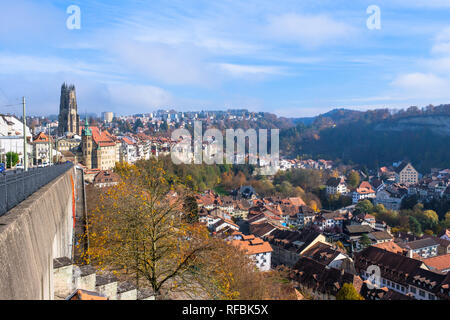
column 422, row 293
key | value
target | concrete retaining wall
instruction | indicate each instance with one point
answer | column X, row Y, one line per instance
column 31, row 235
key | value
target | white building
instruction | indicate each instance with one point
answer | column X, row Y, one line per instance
column 336, row 186
column 364, row 191
column 11, row 138
column 129, row 150
column 107, row 116
column 257, row 249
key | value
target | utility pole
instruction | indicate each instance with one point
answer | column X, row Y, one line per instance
column 25, row 165
column 50, row 146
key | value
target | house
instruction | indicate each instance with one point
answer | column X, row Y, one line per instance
column 329, row 255
column 221, row 224
column 377, row 184
column 378, row 237
column 305, row 216
column 353, row 234
column 364, row 219
column 289, row 245
column 257, row 218
column 425, row 248
column 99, row 148
column 391, row 197
column 209, row 200
column 439, row 264
column 296, row 201
column 11, row 137
column 336, row 186
column 446, row 235
column 106, row 178
column 257, row 249
column 444, row 245
column 406, row 174
column 330, row 220
column 384, row 293
column 262, row 229
column 364, row 191
column 208, row 219
column 385, row 173
column 240, row 209
column 390, row 246
column 401, row 274
column 42, row 149
column 289, row 214
column 322, row 281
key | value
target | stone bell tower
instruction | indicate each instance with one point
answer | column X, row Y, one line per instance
column 86, row 145
column 68, row 120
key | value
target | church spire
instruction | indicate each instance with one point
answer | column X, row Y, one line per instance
column 86, row 131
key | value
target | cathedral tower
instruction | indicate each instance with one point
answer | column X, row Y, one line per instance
column 69, row 120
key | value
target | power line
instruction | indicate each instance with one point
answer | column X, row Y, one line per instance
column 4, row 94
column 8, row 100
column 11, row 105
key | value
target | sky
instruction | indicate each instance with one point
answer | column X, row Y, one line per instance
column 292, row 58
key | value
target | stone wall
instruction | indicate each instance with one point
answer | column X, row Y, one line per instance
column 31, row 235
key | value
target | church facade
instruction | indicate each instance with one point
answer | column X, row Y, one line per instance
column 99, row 148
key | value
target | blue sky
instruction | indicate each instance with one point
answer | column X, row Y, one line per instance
column 293, row 58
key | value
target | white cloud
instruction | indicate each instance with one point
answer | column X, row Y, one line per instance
column 14, row 64
column 432, row 4
column 240, row 70
column 138, row 97
column 440, row 65
column 422, row 85
column 23, row 21
column 442, row 42
column 169, row 64
column 308, row 30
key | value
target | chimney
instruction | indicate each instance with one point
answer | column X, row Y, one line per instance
column 410, row 253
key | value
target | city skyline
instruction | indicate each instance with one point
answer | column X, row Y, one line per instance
column 292, row 58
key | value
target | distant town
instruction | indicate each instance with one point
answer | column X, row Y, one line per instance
column 327, row 224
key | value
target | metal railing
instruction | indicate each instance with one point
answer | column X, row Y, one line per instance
column 17, row 185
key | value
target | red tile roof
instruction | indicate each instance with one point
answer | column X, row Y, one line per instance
column 439, row 262
column 252, row 245
column 41, row 137
column 102, row 138
column 127, row 141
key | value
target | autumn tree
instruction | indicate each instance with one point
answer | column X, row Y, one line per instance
column 353, row 179
column 364, row 206
column 447, row 220
column 190, row 208
column 227, row 273
column 365, row 241
column 138, row 228
column 239, row 180
column 348, row 292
